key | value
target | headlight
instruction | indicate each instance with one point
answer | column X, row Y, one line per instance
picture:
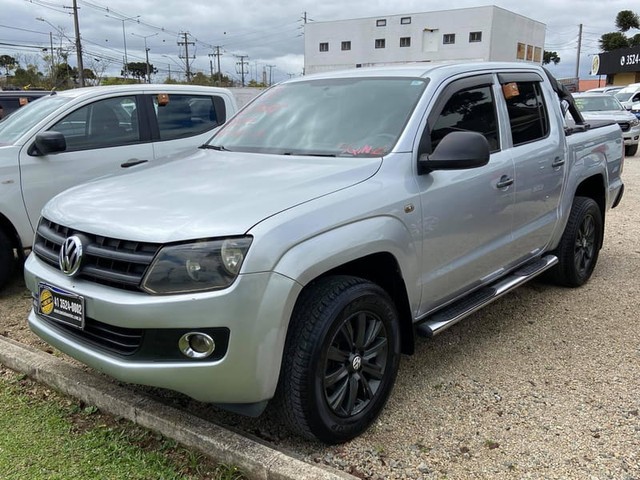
column 197, row 266
column 634, row 123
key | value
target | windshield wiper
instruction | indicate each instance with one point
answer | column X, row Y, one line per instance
column 307, row 154
column 214, row 147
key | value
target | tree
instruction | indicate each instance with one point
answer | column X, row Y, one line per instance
column 29, row 77
column 8, row 63
column 139, row 70
column 626, row 20
column 613, row 41
column 549, row 57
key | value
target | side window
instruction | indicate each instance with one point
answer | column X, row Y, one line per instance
column 106, row 123
column 473, row 110
column 181, row 116
column 527, row 111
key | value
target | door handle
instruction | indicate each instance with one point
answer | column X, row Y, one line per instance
column 132, row 162
column 504, row 182
column 557, row 162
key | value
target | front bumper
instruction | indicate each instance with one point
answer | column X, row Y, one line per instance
column 632, row 137
column 256, row 310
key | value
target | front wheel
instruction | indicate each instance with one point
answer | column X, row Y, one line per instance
column 630, row 150
column 341, row 359
column 580, row 244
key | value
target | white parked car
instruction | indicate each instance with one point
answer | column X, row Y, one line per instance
column 629, row 96
column 77, row 135
column 610, row 90
column 606, row 107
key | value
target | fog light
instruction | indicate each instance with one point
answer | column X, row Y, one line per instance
column 196, row 345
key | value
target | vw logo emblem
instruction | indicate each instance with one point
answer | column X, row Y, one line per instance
column 70, row 256
column 356, row 363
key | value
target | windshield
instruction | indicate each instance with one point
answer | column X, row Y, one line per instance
column 23, row 119
column 624, row 96
column 597, row 104
column 324, row 117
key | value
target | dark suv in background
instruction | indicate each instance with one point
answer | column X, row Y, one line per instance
column 12, row 100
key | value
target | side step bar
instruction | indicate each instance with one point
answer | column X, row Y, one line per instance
column 452, row 314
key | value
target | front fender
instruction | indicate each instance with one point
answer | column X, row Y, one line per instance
column 325, row 251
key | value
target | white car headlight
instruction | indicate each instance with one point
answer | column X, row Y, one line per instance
column 197, row 266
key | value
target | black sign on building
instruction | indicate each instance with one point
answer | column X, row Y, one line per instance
column 616, row 61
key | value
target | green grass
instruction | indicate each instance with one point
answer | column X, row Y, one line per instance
column 44, row 435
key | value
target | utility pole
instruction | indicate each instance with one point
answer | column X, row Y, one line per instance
column 578, row 58
column 211, row 65
column 78, row 44
column 146, row 52
column 218, row 55
column 241, row 63
column 186, row 44
column 270, row 67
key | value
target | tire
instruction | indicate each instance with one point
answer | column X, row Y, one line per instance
column 340, row 361
column 580, row 244
column 7, row 259
column 630, row 150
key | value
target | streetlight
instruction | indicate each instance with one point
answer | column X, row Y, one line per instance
column 146, row 51
column 124, row 38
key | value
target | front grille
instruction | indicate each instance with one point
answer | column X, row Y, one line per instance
column 624, row 126
column 109, row 261
column 123, row 341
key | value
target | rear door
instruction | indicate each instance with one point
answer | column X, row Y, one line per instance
column 103, row 137
column 538, row 149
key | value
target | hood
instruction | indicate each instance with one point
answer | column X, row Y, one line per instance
column 615, row 115
column 208, row 194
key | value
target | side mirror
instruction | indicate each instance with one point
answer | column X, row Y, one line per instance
column 456, row 151
column 49, row 142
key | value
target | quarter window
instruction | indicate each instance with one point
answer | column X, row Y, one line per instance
column 106, row 123
column 449, row 38
column 475, row 37
column 405, row 41
column 380, row 43
column 346, row 45
column 527, row 113
column 468, row 110
column 324, row 47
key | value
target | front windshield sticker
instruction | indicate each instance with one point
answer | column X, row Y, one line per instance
column 364, row 150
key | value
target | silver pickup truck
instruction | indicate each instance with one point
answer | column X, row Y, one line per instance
column 294, row 257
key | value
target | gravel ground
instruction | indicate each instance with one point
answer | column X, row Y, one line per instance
column 541, row 384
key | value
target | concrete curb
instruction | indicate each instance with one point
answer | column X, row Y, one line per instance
column 256, row 460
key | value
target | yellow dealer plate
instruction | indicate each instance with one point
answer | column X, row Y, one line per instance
column 60, row 305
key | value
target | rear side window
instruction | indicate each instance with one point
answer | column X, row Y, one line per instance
column 181, row 116
column 468, row 110
column 527, row 112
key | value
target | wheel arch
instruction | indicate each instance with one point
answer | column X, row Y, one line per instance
column 9, row 230
column 594, row 187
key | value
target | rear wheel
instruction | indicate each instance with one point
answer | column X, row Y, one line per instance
column 340, row 360
column 7, row 259
column 580, row 244
column 630, row 150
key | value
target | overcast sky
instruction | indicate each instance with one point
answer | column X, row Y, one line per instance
column 268, row 32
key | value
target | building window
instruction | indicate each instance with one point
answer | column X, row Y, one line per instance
column 324, row 47
column 475, row 37
column 405, row 41
column 381, row 23
column 521, row 51
column 405, row 20
column 449, row 38
column 380, row 42
column 346, row 45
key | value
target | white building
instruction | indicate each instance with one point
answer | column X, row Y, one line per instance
column 481, row 33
